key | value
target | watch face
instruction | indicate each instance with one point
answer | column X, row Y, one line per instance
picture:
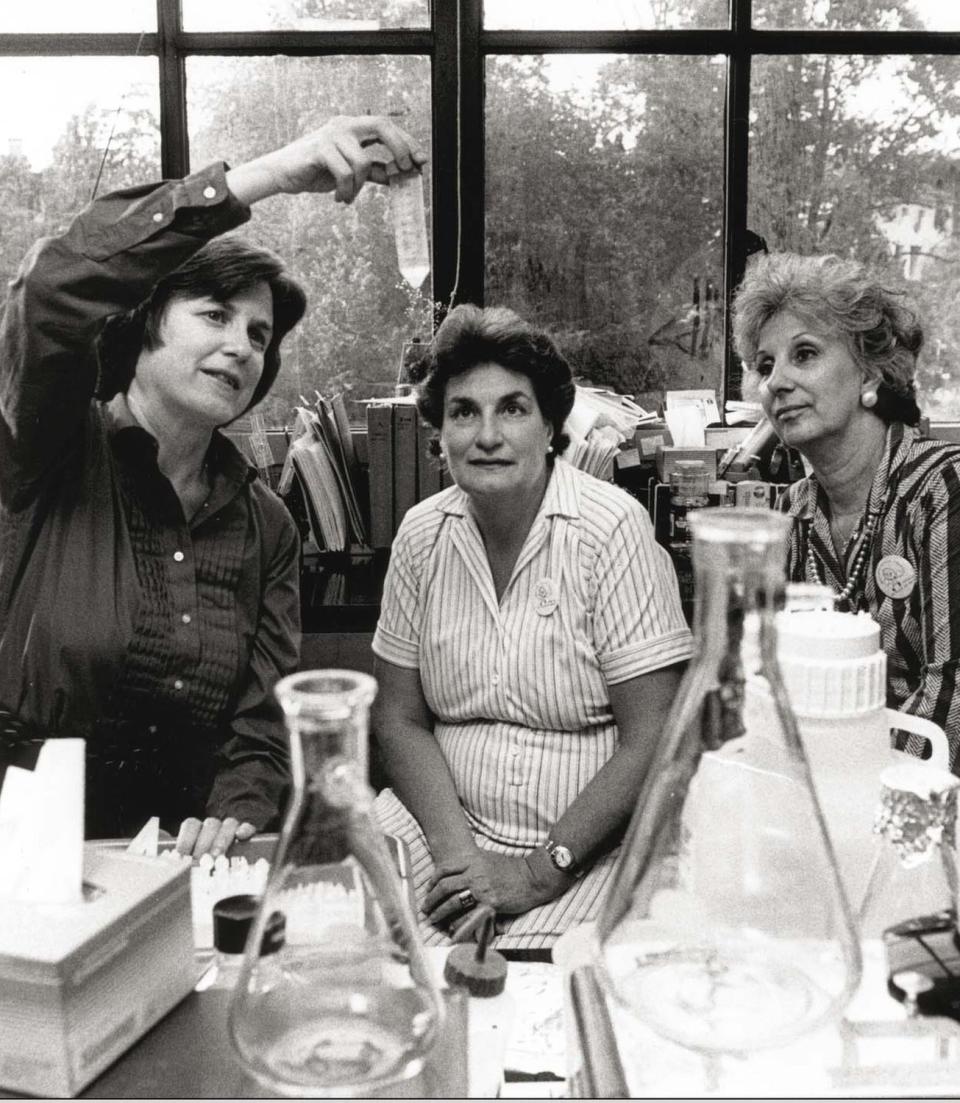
column 562, row 858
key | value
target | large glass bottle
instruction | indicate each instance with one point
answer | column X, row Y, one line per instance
column 347, row 1006
column 726, row 928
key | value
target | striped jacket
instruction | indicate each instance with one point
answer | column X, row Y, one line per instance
column 916, row 495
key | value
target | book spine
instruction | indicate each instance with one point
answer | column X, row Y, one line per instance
column 405, row 418
column 380, row 458
column 428, row 470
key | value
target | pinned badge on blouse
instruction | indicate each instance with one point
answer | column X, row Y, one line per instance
column 896, row 576
column 545, row 596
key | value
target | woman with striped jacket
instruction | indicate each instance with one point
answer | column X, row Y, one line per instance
column 833, row 352
column 527, row 650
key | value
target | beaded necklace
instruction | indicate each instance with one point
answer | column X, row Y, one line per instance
column 864, row 541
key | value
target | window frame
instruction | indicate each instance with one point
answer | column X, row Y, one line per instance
column 458, row 47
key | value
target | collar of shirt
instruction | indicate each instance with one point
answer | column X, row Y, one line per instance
column 230, row 472
column 561, row 498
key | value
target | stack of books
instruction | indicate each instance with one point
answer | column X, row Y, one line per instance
column 402, row 469
column 321, row 459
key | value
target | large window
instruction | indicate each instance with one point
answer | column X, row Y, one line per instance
column 624, row 262
column 603, row 167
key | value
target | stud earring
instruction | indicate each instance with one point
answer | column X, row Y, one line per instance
column 869, row 398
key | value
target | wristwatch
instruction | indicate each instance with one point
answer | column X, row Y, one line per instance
column 561, row 856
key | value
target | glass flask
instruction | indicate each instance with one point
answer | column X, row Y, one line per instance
column 914, row 871
column 726, row 928
column 348, row 1006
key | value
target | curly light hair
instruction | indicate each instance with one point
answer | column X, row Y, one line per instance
column 882, row 330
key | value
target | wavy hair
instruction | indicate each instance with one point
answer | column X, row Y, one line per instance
column 472, row 335
column 222, row 268
column 882, row 330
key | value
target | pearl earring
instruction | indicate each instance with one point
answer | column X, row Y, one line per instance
column 869, row 398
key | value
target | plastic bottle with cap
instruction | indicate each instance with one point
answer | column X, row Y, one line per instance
column 482, row 972
column 232, row 918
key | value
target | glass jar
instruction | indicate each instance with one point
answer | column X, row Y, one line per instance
column 350, row 1007
column 233, row 918
column 726, row 928
column 914, row 870
column 689, row 489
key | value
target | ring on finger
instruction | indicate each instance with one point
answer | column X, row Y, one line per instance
column 467, row 899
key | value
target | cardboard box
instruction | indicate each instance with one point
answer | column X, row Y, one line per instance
column 648, row 438
column 81, row 982
column 668, row 456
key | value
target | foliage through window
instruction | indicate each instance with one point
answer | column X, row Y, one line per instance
column 588, row 184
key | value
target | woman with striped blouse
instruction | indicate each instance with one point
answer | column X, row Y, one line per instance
column 528, row 648
column 834, row 354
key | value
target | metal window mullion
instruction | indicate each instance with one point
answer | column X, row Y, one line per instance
column 174, row 143
column 458, row 153
column 735, row 182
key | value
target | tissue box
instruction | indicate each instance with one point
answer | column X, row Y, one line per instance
column 81, row 982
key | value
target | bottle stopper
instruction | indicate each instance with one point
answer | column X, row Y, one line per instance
column 481, row 971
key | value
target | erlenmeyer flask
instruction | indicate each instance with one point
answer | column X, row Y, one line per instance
column 726, row 928
column 347, row 1006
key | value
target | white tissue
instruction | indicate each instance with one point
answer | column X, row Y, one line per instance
column 41, row 827
column 147, row 839
column 687, row 426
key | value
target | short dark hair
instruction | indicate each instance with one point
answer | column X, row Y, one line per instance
column 472, row 335
column 882, row 330
column 222, row 268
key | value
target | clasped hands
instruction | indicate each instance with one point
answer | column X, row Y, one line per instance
column 505, row 882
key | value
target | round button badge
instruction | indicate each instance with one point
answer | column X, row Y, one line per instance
column 545, row 596
column 896, row 576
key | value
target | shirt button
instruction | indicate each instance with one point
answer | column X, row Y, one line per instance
column 158, row 216
column 495, row 680
column 209, row 191
column 178, row 556
column 178, row 684
column 186, row 618
column 152, row 729
column 515, row 751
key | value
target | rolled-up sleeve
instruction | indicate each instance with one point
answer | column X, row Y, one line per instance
column 638, row 619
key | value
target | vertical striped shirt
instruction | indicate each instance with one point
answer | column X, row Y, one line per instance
column 519, row 687
column 915, row 498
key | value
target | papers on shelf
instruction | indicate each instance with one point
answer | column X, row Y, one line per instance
column 599, row 423
column 321, row 457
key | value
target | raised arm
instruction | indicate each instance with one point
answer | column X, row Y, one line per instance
column 113, row 253
column 106, row 262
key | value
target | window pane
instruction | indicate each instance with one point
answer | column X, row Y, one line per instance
column 360, row 312
column 604, row 192
column 51, row 154
column 604, row 15
column 859, row 156
column 67, row 16
column 853, row 15
column 304, row 15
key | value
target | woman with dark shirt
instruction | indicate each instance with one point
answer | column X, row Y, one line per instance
column 148, row 579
